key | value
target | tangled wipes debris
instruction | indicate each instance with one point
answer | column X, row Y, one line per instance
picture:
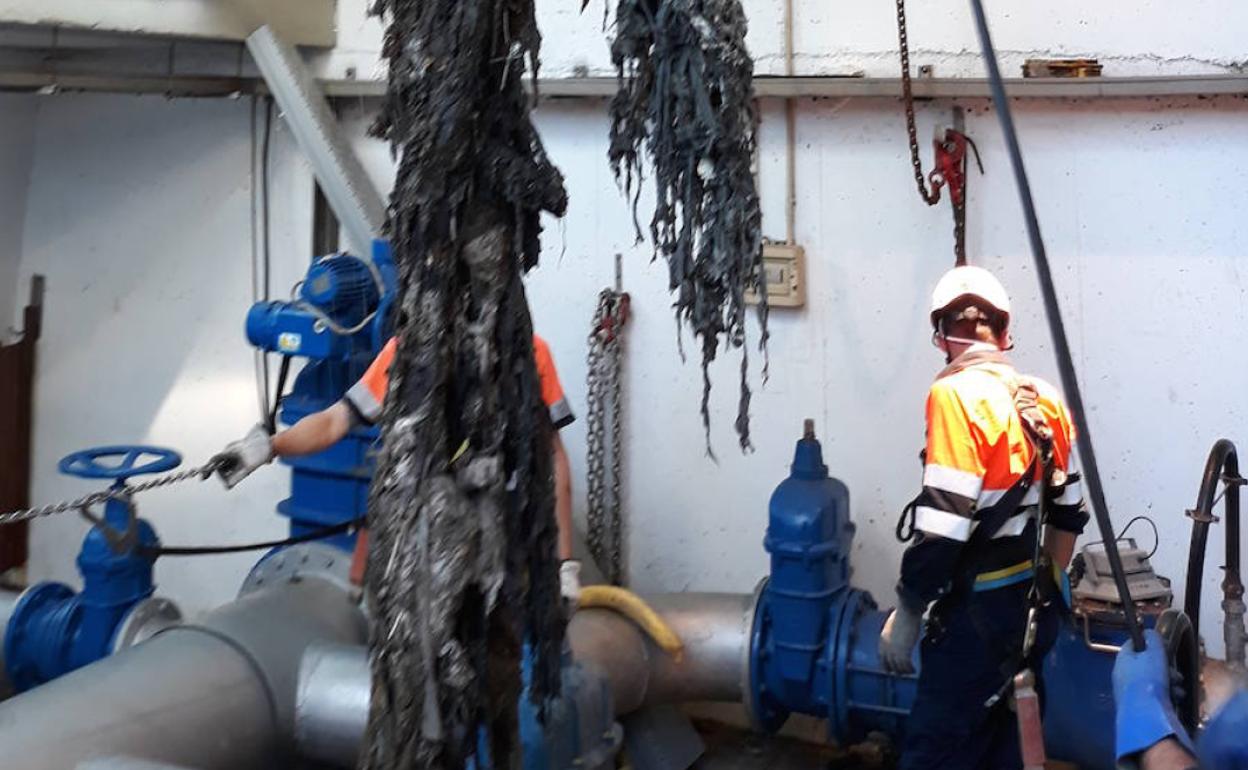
column 686, row 101
column 462, row 564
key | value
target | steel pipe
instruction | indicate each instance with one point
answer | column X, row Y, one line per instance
column 715, row 629
column 334, row 687
column 332, row 703
column 214, row 695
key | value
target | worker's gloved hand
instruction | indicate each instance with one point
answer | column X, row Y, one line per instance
column 570, row 583
column 1144, row 711
column 1224, row 742
column 897, row 640
column 240, row 458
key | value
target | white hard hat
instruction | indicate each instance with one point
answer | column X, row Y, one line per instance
column 968, row 281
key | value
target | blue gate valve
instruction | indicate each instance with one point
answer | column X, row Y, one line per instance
column 813, row 646
column 55, row 630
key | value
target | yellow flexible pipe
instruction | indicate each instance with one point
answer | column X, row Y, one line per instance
column 633, row 607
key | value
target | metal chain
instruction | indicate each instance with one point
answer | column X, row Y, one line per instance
column 959, row 226
column 596, row 534
column 615, row 351
column 604, row 368
column 930, row 197
column 95, row 498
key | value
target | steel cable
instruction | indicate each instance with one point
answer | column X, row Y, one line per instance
column 1057, row 329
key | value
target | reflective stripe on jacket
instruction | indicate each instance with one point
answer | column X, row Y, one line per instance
column 977, row 448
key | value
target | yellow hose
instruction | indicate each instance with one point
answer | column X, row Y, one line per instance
column 633, row 607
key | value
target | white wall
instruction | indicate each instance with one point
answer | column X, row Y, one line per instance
column 139, row 214
column 17, row 122
column 1152, row 37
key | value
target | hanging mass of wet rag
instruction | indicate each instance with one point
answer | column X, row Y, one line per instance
column 686, row 103
column 462, row 566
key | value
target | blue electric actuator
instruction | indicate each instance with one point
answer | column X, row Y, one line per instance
column 339, row 321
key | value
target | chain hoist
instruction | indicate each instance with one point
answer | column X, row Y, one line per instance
column 950, row 151
column 604, row 370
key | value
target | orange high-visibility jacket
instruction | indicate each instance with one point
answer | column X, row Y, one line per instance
column 367, row 396
column 977, row 448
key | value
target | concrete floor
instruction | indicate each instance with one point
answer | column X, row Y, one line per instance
column 729, row 748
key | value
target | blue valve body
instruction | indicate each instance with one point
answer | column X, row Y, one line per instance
column 54, row 630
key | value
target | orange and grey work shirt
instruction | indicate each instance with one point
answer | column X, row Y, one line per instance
column 976, row 450
column 367, row 396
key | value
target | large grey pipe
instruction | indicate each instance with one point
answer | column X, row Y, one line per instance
column 715, row 629
column 218, row 694
column 334, row 685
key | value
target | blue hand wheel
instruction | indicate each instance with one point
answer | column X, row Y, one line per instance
column 119, row 462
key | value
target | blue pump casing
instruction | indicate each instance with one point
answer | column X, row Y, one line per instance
column 578, row 731
column 330, row 487
column 1079, row 706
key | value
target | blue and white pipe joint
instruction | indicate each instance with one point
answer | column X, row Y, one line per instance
column 813, row 646
column 53, row 629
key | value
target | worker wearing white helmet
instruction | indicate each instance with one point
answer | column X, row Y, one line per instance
column 969, row 289
column 991, row 435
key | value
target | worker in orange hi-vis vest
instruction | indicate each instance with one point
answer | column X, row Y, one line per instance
column 362, row 405
column 996, row 442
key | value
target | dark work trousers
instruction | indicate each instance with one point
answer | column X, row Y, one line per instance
column 967, row 647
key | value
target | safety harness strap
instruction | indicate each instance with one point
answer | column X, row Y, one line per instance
column 1026, row 400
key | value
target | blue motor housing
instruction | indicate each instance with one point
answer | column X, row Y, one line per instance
column 338, row 287
column 343, row 287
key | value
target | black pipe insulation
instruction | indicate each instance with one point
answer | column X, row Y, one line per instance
column 1065, row 362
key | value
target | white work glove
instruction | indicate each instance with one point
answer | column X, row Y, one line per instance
column 240, row 458
column 570, row 583
column 897, row 640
